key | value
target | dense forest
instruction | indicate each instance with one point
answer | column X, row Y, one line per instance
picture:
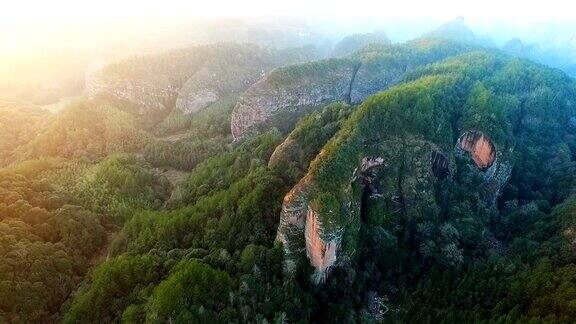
column 446, row 196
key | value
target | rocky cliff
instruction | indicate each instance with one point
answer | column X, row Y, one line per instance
column 480, row 147
column 284, row 95
column 190, row 79
column 495, row 166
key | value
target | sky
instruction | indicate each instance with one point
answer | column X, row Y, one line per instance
column 515, row 11
column 29, row 26
column 35, row 23
column 36, row 35
column 23, row 20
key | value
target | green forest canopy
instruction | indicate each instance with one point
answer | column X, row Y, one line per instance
column 206, row 252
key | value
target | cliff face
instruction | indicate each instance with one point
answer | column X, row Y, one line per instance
column 291, row 229
column 440, row 164
column 211, row 83
column 151, row 82
column 284, row 95
column 393, row 177
column 494, row 165
column 321, row 253
column 191, row 100
column 148, row 96
column 287, row 93
column 402, row 159
column 480, row 147
column 191, row 79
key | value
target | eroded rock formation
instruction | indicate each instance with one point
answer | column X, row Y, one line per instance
column 189, row 79
column 496, row 166
column 480, row 147
column 190, row 102
column 497, row 176
column 281, row 98
column 371, row 162
column 399, row 182
column 149, row 95
column 322, row 254
column 292, row 223
column 399, row 178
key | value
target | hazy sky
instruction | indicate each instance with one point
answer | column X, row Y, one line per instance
column 515, row 11
column 65, row 31
column 27, row 25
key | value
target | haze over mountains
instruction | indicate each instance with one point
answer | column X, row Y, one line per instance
column 88, row 46
column 269, row 171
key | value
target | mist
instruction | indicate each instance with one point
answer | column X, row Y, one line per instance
column 66, row 41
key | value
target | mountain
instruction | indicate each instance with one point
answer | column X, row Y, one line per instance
column 466, row 124
column 287, row 93
column 462, row 168
column 428, row 181
column 354, row 42
column 561, row 58
column 188, row 80
column 553, row 55
column 457, row 30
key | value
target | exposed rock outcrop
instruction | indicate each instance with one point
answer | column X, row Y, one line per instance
column 399, row 178
column 190, row 102
column 189, row 79
column 287, row 93
column 151, row 82
column 292, row 223
column 497, row 176
column 322, row 254
column 495, row 165
column 480, row 148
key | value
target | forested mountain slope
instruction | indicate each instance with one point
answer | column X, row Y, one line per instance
column 457, row 126
column 423, row 182
column 56, row 219
column 418, row 182
column 563, row 59
column 85, row 128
